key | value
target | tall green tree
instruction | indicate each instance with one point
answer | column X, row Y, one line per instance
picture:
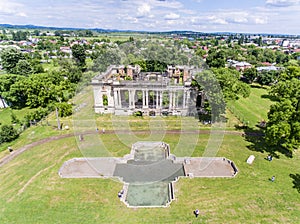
column 267, row 77
column 216, row 58
column 106, row 57
column 23, row 67
column 13, row 89
column 10, row 58
column 283, row 127
column 78, row 53
column 250, row 74
column 232, row 87
column 70, row 70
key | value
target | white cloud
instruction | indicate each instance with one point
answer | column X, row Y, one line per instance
column 172, row 4
column 261, row 20
column 282, row 3
column 216, row 20
column 144, row 9
column 172, row 16
column 156, row 15
column 21, row 14
column 10, row 7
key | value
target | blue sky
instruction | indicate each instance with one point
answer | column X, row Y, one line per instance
column 253, row 16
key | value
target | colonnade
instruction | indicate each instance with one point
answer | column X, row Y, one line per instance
column 174, row 96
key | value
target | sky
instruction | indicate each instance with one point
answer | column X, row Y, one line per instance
column 245, row 16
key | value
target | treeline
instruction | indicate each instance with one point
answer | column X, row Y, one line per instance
column 283, row 126
column 25, row 86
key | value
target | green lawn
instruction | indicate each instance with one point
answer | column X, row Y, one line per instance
column 46, row 128
column 32, row 192
column 5, row 114
column 253, row 109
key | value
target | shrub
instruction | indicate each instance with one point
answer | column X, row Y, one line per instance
column 8, row 133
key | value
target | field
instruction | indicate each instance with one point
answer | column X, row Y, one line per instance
column 253, row 109
column 31, row 191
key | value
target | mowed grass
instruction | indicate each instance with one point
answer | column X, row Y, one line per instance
column 31, row 191
column 253, row 109
column 6, row 113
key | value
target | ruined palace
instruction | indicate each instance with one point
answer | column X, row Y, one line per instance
column 125, row 90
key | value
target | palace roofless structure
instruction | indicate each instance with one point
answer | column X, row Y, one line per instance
column 125, row 90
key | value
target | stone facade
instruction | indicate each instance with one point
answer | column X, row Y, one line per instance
column 124, row 90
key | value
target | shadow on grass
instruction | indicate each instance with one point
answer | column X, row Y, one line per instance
column 258, row 87
column 258, row 144
column 272, row 98
column 296, row 181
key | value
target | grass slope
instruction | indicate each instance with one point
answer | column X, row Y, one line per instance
column 32, row 192
column 253, row 109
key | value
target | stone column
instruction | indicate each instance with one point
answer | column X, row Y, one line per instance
column 101, row 98
column 133, row 98
column 157, row 99
column 119, row 99
column 147, row 98
column 116, row 101
column 129, row 98
column 144, row 98
column 184, row 99
column 188, row 98
column 170, row 100
column 110, row 98
column 174, row 100
column 160, row 99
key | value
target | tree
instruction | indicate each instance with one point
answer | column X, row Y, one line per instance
column 36, row 32
column 57, row 33
column 281, row 58
column 13, row 90
column 23, row 67
column 44, row 89
column 250, row 74
column 200, row 52
column 241, row 40
column 8, row 133
column 267, row 77
column 19, row 35
column 216, row 59
column 105, row 58
column 10, row 58
column 64, row 109
column 287, row 89
column 290, row 72
column 269, row 56
column 69, row 70
column 151, row 65
column 14, row 119
column 40, row 90
column 78, row 53
column 36, row 66
column 232, row 87
column 283, row 127
column 206, row 81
